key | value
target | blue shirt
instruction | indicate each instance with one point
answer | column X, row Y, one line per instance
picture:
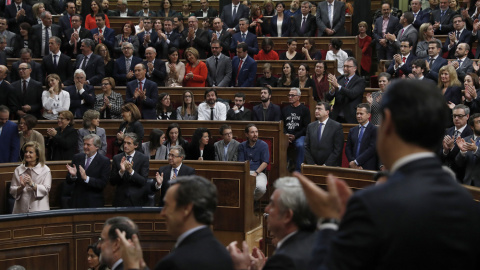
column 256, row 154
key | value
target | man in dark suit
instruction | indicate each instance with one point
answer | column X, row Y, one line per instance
column 469, row 156
column 221, row 35
column 206, row 11
column 16, row 13
column 239, row 112
column 74, row 36
column 442, row 19
column 129, row 174
column 292, row 223
column 331, row 18
column 347, row 91
column 266, row 111
column 450, row 149
column 57, row 62
column 402, row 63
column 196, row 247
column 305, row 23
column 232, row 13
column 82, row 95
column 42, row 36
column 384, row 51
column 103, row 34
column 26, row 94
column 123, row 10
column 10, row 146
column 324, row 139
column 175, row 169
column 92, row 64
column 124, row 65
column 425, row 216
column 463, row 65
column 5, row 87
column 244, row 68
column 419, row 16
column 459, row 35
column 145, row 11
column 418, row 71
column 89, row 174
column 143, row 93
column 9, row 36
column 147, row 38
column 226, row 149
column 360, row 148
column 26, row 57
column 65, row 21
column 172, row 37
column 245, row 36
column 156, row 69
column 195, row 37
column 219, row 66
column 434, row 61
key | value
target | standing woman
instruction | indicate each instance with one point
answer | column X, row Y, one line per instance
column 24, row 40
column 450, row 85
column 37, row 10
column 375, row 98
column 280, row 24
column 31, row 181
column 320, row 79
column 304, row 81
column 268, row 9
column 165, row 9
column 91, row 123
column 27, row 134
column 90, row 22
column 131, row 114
column 63, row 139
column 174, row 137
column 291, row 53
column 258, row 25
column 425, row 35
column 188, row 110
column 109, row 103
column 364, row 43
column 175, row 69
column 165, row 110
column 102, row 50
column 200, row 149
column 127, row 35
column 288, row 75
column 54, row 100
column 196, row 71
column 154, row 148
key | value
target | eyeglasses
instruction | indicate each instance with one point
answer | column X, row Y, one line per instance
column 227, row 134
column 459, row 115
column 105, row 84
column 172, row 156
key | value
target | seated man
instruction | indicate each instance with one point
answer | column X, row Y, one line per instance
column 434, row 61
column 469, row 156
column 82, row 95
column 239, row 112
column 211, row 109
column 244, row 68
column 256, row 151
column 442, row 18
column 266, row 111
column 226, row 149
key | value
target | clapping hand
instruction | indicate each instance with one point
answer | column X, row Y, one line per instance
column 131, row 250
column 72, row 170
column 159, row 178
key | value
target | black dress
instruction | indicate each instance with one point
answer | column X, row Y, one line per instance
column 193, row 152
column 63, row 146
column 298, row 56
column 109, row 68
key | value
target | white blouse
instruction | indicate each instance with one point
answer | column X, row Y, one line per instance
column 279, row 27
column 59, row 103
column 180, row 67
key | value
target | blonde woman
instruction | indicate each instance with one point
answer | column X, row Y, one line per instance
column 31, row 181
column 450, row 85
column 54, row 100
column 188, row 110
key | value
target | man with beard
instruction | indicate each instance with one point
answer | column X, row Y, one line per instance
column 469, row 156
column 221, row 35
column 402, row 63
column 294, row 10
column 418, row 71
column 266, row 111
column 463, row 65
column 211, row 109
column 219, row 66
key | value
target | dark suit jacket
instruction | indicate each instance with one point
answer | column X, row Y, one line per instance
column 37, row 32
column 310, row 28
column 6, row 90
column 11, row 13
column 33, row 97
column 120, row 69
column 76, row 106
column 406, row 68
column 392, row 27
column 449, row 159
column 64, row 23
column 37, row 72
column 141, row 39
column 227, row 17
column 149, row 105
column 95, row 69
column 18, row 42
column 89, row 195
column 159, row 73
column 367, row 157
column 63, row 68
column 109, row 35
column 203, row 252
column 64, row 145
column 225, row 40
column 347, row 98
column 10, row 146
column 286, row 26
column 273, row 113
column 174, row 39
column 471, row 163
column 422, row 17
column 248, row 72
column 201, row 42
column 329, row 150
column 338, row 18
column 250, row 40
column 68, row 49
column 184, row 171
column 245, row 115
column 465, row 68
column 446, row 21
column 211, row 13
column 131, row 189
column 292, row 255
column 151, row 13
column 465, row 37
column 425, row 217
column 437, row 64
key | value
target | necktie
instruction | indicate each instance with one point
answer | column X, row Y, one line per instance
column 304, row 24
column 140, row 86
column 129, row 158
column 234, row 14
column 211, row 113
column 55, row 60
column 459, row 62
column 359, row 142
column 458, row 35
column 88, row 162
column 330, row 14
column 404, row 59
column 216, row 63
column 477, row 143
column 238, row 72
column 175, row 173
column 218, row 35
column 100, row 31
column 84, row 64
column 47, row 37
column 415, row 16
column 243, row 37
column 320, row 131
column 24, row 88
column 168, row 36
column 401, row 33
column 346, row 81
column 70, row 19
column 443, row 13
column 9, row 2
column 127, row 64
column 18, row 8
column 430, row 63
column 457, row 133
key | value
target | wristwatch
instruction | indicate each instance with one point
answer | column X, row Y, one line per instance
column 328, row 223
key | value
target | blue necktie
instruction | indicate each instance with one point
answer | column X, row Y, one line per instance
column 129, row 158
column 360, row 136
column 320, row 132
column 243, row 37
column 175, row 171
column 346, row 81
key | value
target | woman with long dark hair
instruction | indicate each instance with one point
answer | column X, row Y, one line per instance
column 199, row 148
column 188, row 110
column 174, row 137
column 304, row 81
column 128, row 35
column 320, row 79
column 131, row 114
column 93, row 258
column 165, row 110
column 154, row 148
column 288, row 75
column 175, row 69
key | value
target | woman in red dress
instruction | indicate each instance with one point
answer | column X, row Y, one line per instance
column 364, row 42
column 195, row 71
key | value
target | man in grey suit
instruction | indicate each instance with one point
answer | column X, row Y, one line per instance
column 219, row 66
column 226, row 149
column 407, row 32
column 324, row 140
column 387, row 24
column 10, row 36
column 469, row 156
column 463, row 65
column 331, row 18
